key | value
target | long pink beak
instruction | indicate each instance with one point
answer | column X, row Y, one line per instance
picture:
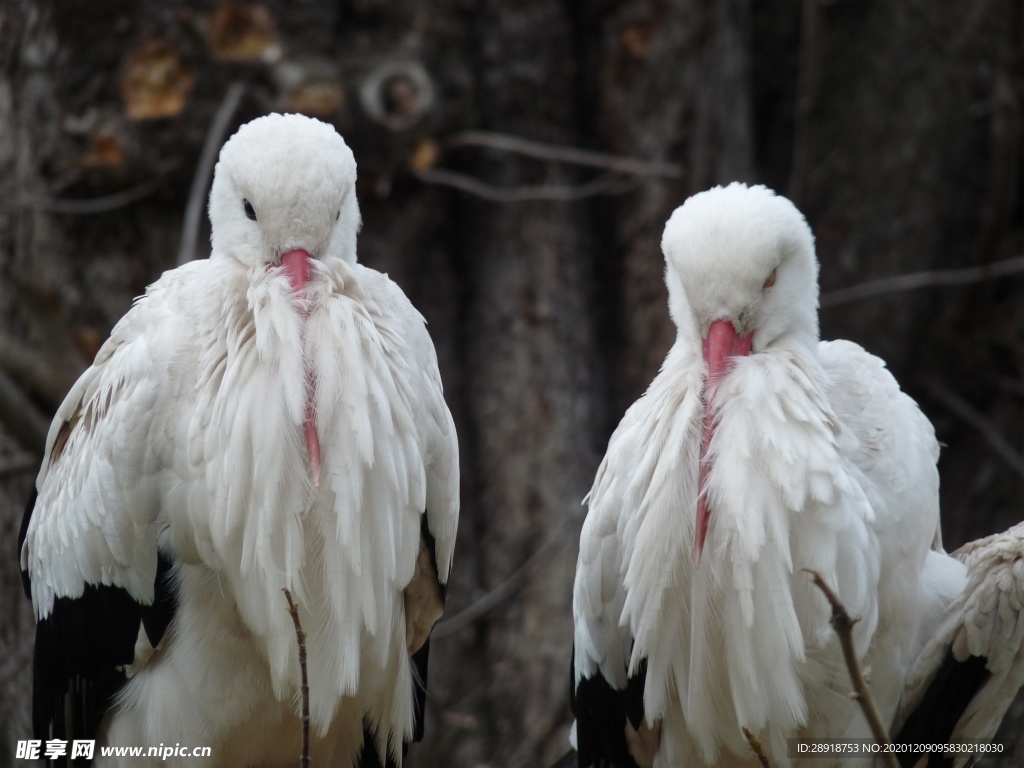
column 298, row 265
column 721, row 344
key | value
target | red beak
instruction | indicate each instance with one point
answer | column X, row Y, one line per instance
column 721, row 344
column 298, row 265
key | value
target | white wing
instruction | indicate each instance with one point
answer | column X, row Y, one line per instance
column 97, row 519
column 437, row 431
column 973, row 665
column 647, row 457
column 601, row 645
column 425, row 593
column 893, row 451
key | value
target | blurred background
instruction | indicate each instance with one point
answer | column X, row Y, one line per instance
column 517, row 163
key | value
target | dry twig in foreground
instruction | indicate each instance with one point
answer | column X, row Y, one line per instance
column 758, row 750
column 301, row 636
column 843, row 625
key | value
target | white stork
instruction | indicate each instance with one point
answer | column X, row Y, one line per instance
column 757, row 451
column 269, row 418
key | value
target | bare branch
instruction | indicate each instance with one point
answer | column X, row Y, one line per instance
column 914, row 280
column 976, row 419
column 503, row 591
column 603, row 185
column 517, row 145
column 85, row 207
column 843, row 626
column 610, row 183
column 756, row 747
column 204, row 171
column 301, row 638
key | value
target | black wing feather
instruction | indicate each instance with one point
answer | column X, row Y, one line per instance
column 82, row 643
column 26, row 583
column 601, row 714
column 954, row 686
column 420, row 661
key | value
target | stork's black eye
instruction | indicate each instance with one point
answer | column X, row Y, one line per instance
column 249, row 211
column 337, row 215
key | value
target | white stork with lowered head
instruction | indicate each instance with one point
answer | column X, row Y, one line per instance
column 269, row 418
column 757, row 451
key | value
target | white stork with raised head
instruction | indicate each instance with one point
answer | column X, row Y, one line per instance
column 269, row 418
column 757, row 451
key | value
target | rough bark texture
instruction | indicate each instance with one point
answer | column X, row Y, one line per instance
column 895, row 126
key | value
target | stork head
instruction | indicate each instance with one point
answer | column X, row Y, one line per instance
column 742, row 255
column 284, row 192
column 742, row 277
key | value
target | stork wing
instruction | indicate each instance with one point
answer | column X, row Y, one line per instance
column 607, row 685
column 425, row 594
column 95, row 519
column 602, row 693
column 973, row 666
column 88, row 545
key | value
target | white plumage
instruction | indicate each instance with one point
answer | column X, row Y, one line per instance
column 769, row 451
column 271, row 417
column 972, row 666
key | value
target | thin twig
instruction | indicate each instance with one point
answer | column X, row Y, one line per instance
column 926, row 279
column 518, row 145
column 603, row 185
column 84, row 207
column 758, row 750
column 502, row 592
column 976, row 419
column 301, row 637
column 842, row 623
column 204, row 170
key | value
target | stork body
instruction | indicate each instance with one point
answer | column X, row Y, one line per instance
column 757, row 451
column 269, row 418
